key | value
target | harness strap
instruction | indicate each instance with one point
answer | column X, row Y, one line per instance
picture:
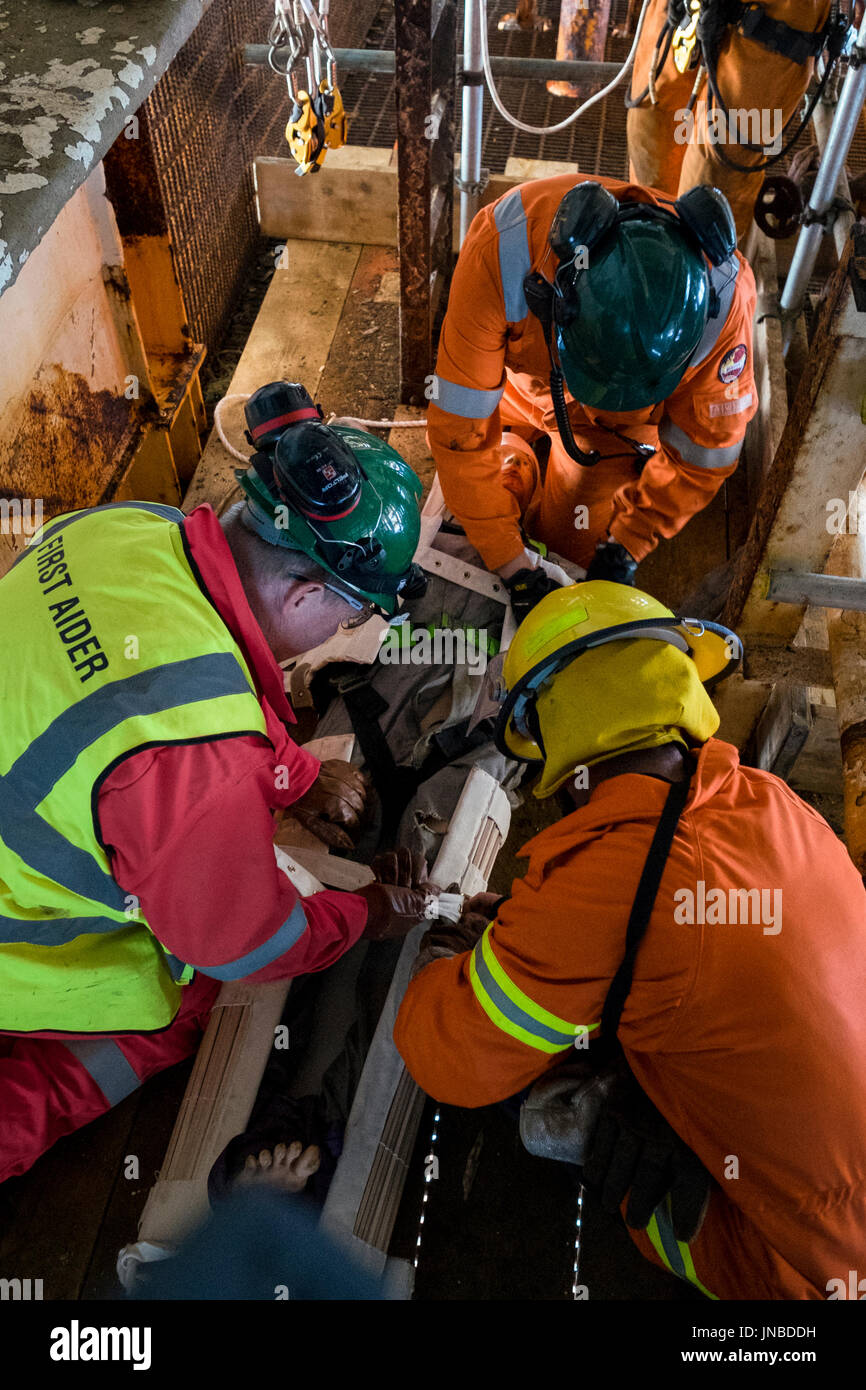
column 641, row 910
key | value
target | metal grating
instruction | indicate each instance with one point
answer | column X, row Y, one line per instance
column 209, row 116
column 596, row 142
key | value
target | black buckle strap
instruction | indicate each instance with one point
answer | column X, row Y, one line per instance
column 641, row 910
column 798, row 45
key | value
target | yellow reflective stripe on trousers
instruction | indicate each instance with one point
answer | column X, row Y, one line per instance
column 513, row 1011
column 675, row 1253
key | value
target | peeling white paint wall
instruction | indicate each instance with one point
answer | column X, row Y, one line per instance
column 58, row 310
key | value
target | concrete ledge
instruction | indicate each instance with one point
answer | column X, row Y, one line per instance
column 72, row 77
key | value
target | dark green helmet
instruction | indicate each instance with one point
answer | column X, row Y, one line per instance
column 338, row 494
column 636, row 314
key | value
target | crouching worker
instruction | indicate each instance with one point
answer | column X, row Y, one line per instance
column 696, row 910
column 145, row 747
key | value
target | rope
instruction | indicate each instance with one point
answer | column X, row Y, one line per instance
column 552, row 129
column 340, row 419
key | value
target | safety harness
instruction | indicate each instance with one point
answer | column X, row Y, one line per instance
column 639, row 917
column 694, row 31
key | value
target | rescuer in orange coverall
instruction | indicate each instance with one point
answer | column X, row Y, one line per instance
column 745, row 1022
column 764, row 63
column 654, row 342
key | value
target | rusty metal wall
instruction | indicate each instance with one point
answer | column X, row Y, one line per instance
column 209, row 116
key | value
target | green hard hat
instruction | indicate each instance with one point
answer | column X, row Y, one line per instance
column 344, row 498
column 636, row 314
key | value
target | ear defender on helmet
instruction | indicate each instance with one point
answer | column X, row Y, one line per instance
column 336, row 493
column 707, row 214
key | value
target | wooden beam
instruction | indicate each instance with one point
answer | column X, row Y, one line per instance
column 365, row 1193
column 291, row 339
column 847, row 636
column 355, row 193
column 781, row 730
column 819, row 459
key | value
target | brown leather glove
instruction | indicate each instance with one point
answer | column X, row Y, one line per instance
column 451, row 938
column 392, row 910
column 402, row 867
column 334, row 806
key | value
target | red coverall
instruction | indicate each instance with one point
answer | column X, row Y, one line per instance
column 492, row 373
column 750, row 1040
column 190, row 832
column 750, row 78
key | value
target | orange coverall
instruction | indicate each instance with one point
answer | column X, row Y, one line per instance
column 492, row 373
column 751, row 1040
column 749, row 77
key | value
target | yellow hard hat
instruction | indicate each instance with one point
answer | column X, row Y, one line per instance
column 572, row 620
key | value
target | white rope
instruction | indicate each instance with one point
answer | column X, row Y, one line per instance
column 376, row 424
column 332, row 419
column 218, row 425
column 551, row 129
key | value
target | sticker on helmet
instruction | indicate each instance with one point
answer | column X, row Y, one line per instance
column 732, row 363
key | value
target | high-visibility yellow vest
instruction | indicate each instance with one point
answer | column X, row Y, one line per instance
column 109, row 644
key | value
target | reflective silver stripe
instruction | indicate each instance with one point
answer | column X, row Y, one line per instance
column 723, row 279
column 164, row 687
column 103, row 1060
column 157, row 508
column 53, row 752
column 53, row 931
column 512, row 1011
column 690, row 452
column 465, row 401
column 283, row 939
column 672, row 1250
column 514, row 261
column 48, row 853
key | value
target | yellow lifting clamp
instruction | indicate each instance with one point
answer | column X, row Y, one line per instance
column 305, row 134
column 685, row 37
column 332, row 115
column 317, row 122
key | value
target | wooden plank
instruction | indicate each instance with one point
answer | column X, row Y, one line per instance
column 220, row 1094
column 764, row 430
column 782, row 730
column 819, row 458
column 356, row 191
column 291, row 339
column 53, row 1212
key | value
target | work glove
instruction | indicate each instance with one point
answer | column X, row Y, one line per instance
column 402, row 867
column 451, row 938
column 612, row 561
column 334, row 806
column 393, row 910
column 634, row 1152
column 528, row 587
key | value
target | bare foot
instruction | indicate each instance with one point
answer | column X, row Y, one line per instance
column 286, row 1168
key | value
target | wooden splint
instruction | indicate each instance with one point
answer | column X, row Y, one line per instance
column 365, row 1193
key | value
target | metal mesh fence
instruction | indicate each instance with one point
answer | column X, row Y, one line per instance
column 209, row 117
column 596, row 142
